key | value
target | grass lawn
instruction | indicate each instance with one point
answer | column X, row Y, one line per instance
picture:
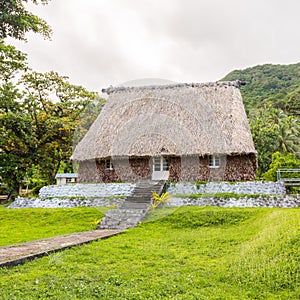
column 185, row 253
column 26, row 224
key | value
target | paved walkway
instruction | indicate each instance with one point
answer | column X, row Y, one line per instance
column 13, row 255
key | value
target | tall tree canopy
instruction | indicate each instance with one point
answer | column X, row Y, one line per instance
column 16, row 20
column 37, row 126
column 272, row 100
column 39, row 112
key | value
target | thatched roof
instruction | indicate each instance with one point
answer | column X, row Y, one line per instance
column 179, row 119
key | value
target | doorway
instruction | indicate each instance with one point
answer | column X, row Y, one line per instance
column 160, row 168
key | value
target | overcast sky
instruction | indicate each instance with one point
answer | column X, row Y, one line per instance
column 98, row 43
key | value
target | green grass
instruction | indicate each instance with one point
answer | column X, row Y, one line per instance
column 185, row 253
column 21, row 225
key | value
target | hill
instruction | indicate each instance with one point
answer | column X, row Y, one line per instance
column 272, row 101
column 269, row 83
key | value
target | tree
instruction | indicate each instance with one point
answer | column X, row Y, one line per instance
column 281, row 161
column 54, row 106
column 16, row 21
column 264, row 135
column 288, row 136
column 37, row 125
column 39, row 113
column 14, row 125
column 273, row 131
column 292, row 103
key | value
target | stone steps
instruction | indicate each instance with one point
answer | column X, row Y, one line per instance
column 122, row 218
column 135, row 207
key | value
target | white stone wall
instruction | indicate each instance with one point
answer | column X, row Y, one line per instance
column 74, row 195
column 248, row 187
column 87, row 190
column 63, row 202
column 261, row 201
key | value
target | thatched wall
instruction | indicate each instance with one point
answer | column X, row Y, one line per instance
column 240, row 167
column 124, row 170
column 190, row 168
column 88, row 172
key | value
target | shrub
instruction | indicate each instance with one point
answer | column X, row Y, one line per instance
column 281, row 161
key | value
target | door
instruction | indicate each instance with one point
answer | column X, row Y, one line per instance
column 160, row 168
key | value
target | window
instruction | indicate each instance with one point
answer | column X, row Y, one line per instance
column 156, row 163
column 161, row 164
column 68, row 180
column 165, row 164
column 108, row 164
column 214, row 161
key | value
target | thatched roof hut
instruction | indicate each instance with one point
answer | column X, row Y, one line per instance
column 198, row 119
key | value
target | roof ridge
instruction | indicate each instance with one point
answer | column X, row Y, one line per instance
column 236, row 83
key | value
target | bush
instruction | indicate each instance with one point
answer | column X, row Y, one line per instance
column 281, row 161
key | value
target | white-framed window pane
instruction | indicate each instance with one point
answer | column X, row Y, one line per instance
column 108, row 164
column 161, row 164
column 214, row 161
column 157, row 164
column 217, row 161
column 165, row 164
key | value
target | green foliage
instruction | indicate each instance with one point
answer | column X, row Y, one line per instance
column 40, row 112
column 292, row 103
column 266, row 82
column 281, row 161
column 12, row 61
column 273, row 131
column 252, row 256
column 37, row 128
column 159, row 199
column 26, row 224
column 271, row 98
column 87, row 118
column 16, row 21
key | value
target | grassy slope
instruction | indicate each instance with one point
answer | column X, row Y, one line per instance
column 186, row 253
column 21, row 225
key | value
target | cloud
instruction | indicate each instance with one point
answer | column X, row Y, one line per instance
column 103, row 42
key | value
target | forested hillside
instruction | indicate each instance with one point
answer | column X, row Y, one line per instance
column 272, row 101
column 278, row 84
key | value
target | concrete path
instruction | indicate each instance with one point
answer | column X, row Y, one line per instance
column 16, row 254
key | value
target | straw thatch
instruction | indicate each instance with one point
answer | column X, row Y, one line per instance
column 173, row 120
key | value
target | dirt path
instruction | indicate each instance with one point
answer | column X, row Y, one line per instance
column 13, row 255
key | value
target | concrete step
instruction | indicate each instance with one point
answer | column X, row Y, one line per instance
column 122, row 218
column 138, row 199
column 132, row 205
column 134, row 208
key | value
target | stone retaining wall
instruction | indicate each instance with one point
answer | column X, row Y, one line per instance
column 261, row 201
column 272, row 194
column 64, row 202
column 87, row 190
column 248, row 187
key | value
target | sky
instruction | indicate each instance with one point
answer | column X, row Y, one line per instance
column 98, row 43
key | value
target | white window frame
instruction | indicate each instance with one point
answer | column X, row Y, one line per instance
column 109, row 165
column 162, row 163
column 214, row 161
